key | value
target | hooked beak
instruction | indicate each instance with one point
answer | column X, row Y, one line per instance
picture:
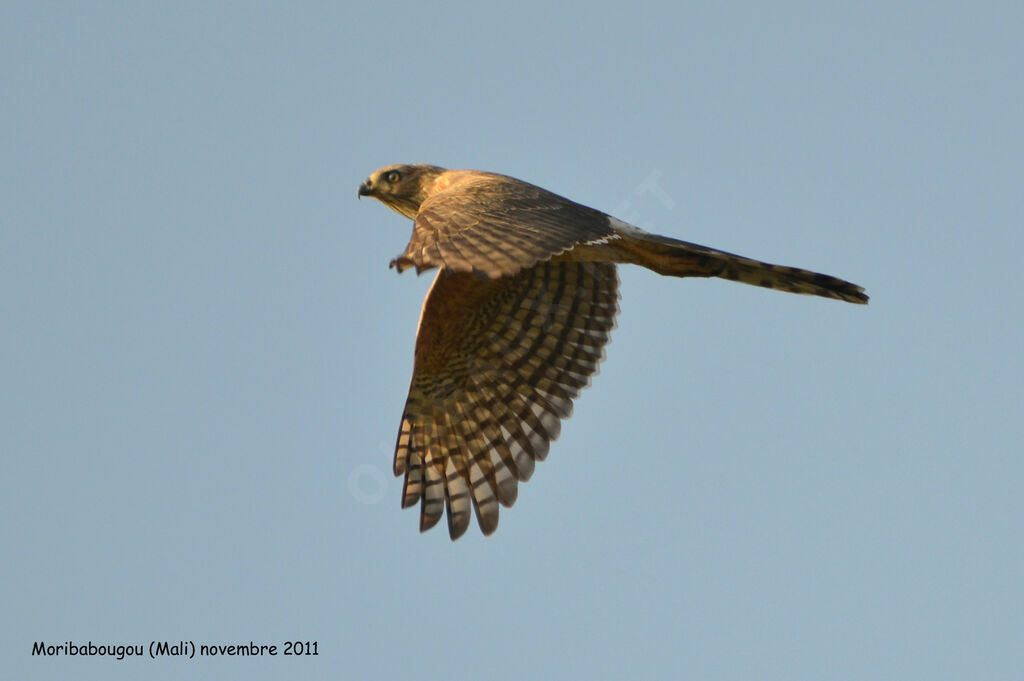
column 365, row 190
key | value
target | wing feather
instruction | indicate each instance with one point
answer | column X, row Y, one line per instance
column 498, row 364
column 497, row 226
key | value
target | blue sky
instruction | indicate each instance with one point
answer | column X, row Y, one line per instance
column 206, row 356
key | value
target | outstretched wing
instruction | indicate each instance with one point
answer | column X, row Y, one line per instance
column 498, row 363
column 496, row 226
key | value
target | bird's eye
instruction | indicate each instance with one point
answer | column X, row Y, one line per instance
column 393, row 176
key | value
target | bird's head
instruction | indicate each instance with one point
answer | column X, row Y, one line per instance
column 401, row 187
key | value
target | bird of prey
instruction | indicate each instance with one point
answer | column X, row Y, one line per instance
column 515, row 324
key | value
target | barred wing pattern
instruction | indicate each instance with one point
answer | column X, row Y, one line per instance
column 498, row 363
column 497, row 226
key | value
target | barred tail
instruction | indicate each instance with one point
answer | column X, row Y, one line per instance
column 675, row 258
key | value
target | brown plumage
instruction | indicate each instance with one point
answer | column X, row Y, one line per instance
column 515, row 324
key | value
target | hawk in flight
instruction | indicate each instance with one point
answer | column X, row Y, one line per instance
column 515, row 324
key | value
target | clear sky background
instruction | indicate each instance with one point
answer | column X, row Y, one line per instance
column 205, row 356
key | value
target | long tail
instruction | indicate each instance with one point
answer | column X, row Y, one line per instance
column 676, row 258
